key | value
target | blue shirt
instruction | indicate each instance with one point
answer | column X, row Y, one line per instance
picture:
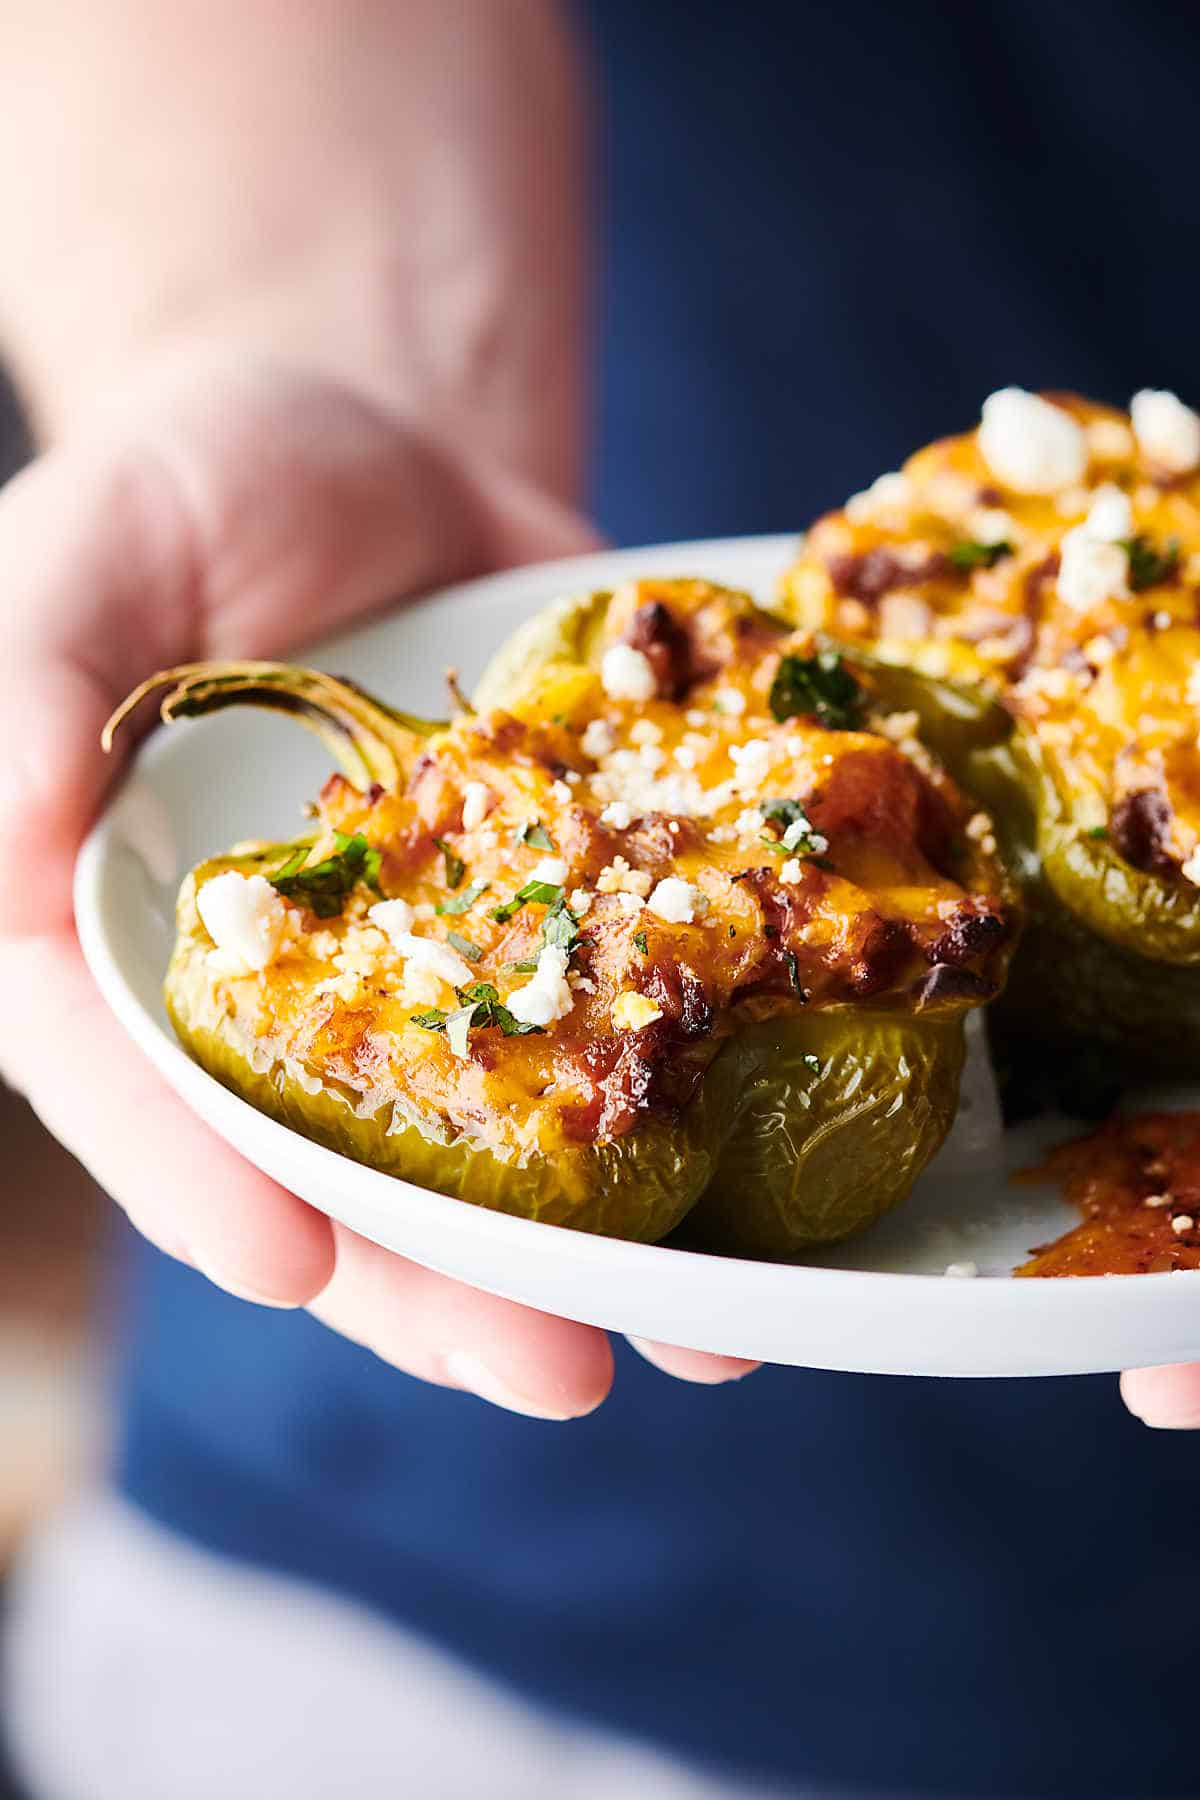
column 830, row 232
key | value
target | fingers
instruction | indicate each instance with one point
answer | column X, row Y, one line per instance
column 184, row 1189
column 1166, row 1398
column 442, row 1331
column 693, row 1365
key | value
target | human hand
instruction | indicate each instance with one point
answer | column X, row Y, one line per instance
column 233, row 514
column 1167, row 1398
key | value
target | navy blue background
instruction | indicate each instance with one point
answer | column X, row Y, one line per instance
column 830, row 232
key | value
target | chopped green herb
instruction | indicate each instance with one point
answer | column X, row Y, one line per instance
column 325, row 886
column 560, row 927
column 464, row 946
column 480, row 1009
column 811, row 1062
column 640, row 939
column 971, row 555
column 821, row 685
column 456, row 868
column 533, row 833
column 545, row 893
column 1098, row 831
column 798, row 836
column 463, row 902
column 528, row 967
column 1148, row 566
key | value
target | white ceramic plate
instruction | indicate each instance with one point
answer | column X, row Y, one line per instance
column 880, row 1304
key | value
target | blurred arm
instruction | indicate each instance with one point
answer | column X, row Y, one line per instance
column 389, row 190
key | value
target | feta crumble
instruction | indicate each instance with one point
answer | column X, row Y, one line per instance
column 792, row 871
column 428, row 953
column 618, row 814
column 245, row 918
column 551, row 869
column 597, row 739
column 730, row 701
column 631, row 1012
column 1029, row 444
column 1182, row 1222
column 477, row 804
column 677, row 901
column 627, row 674
column 1091, row 571
column 392, row 916
column 547, row 996
column 885, row 492
column 1167, row 431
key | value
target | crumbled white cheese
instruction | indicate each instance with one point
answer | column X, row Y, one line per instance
column 1161, row 620
column 1110, row 516
column 1157, row 1200
column 885, row 492
column 651, row 757
column 630, row 903
column 1029, row 444
column 962, row 1269
column 551, row 869
column 627, row 674
column 992, row 525
column 1099, row 650
column 645, row 731
column 421, row 987
column 1091, row 571
column 685, row 756
column 677, row 901
column 391, row 916
column 631, row 1012
column 696, row 718
column 1182, row 1222
column 792, row 871
column 731, row 701
column 560, row 791
column 618, row 814
column 1167, row 431
column 245, row 918
column 751, row 760
column 580, row 901
column 620, row 878
column 597, row 739
column 547, row 995
column 428, row 953
column 477, row 804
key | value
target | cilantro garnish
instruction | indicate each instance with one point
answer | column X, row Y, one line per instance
column 456, row 868
column 527, row 967
column 811, row 1062
column 464, row 946
column 433, row 1020
column 463, row 902
column 533, row 833
column 1098, row 831
column 325, row 886
column 639, row 938
column 545, row 893
column 821, row 685
column 798, row 836
column 560, row 927
column 972, row 555
column 1148, row 566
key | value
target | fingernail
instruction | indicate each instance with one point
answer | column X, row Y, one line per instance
column 466, row 1371
column 242, row 1293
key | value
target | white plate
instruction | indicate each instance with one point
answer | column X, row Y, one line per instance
column 880, row 1304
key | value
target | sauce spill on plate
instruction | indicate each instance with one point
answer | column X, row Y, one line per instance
column 1137, row 1183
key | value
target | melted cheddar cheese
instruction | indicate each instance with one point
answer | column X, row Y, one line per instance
column 1054, row 555
column 635, row 802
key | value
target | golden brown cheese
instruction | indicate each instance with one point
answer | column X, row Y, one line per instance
column 643, row 819
column 1077, row 602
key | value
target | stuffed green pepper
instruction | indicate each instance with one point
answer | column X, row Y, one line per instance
column 679, row 921
column 1046, row 566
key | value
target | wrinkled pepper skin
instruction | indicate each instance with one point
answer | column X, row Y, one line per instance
column 785, row 1124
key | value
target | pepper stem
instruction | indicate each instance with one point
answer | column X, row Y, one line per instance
column 370, row 741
